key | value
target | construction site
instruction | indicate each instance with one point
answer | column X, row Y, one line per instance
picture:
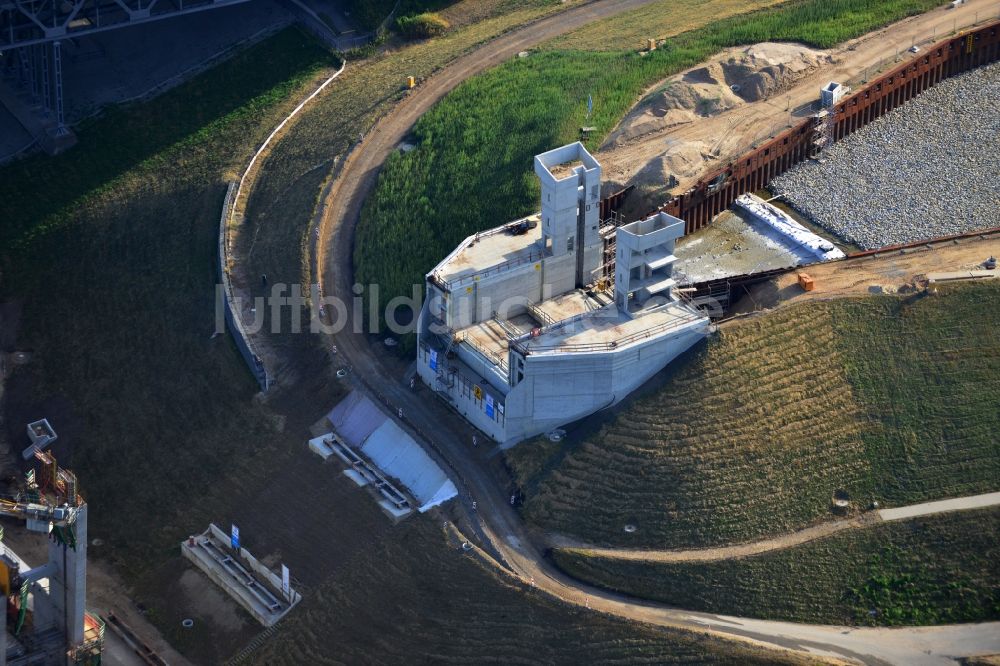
column 46, row 617
column 542, row 321
column 673, row 390
column 837, row 170
column 545, row 320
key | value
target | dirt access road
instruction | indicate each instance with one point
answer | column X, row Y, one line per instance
column 873, row 273
column 731, row 132
column 499, row 526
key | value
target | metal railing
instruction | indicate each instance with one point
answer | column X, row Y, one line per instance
column 462, row 280
column 543, row 318
column 525, row 347
column 494, row 358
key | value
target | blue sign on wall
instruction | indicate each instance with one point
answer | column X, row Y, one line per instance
column 235, row 537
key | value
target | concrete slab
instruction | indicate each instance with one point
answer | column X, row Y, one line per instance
column 488, row 336
column 399, row 456
column 319, row 446
column 492, row 249
column 963, row 275
column 355, row 417
column 396, row 513
column 384, row 452
column 730, row 246
column 611, row 328
column 568, row 305
column 240, row 575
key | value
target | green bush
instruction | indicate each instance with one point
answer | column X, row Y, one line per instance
column 421, row 26
column 369, row 14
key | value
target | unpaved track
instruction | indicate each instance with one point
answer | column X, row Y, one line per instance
column 797, row 538
column 862, row 275
column 498, row 523
column 732, row 132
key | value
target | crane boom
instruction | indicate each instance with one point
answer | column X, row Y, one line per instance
column 38, row 517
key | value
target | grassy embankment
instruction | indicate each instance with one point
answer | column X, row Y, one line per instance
column 407, row 599
column 275, row 238
column 472, row 166
column 110, row 250
column 888, row 398
column 935, row 570
column 369, row 14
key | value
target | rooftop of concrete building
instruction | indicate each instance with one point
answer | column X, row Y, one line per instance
column 577, row 322
column 491, row 252
column 609, row 328
column 560, row 163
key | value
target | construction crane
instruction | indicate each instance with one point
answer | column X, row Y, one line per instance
column 38, row 517
column 62, row 630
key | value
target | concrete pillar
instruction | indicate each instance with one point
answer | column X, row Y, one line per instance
column 571, row 206
column 68, row 585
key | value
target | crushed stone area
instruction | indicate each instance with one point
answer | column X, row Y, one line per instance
column 927, row 169
column 731, row 246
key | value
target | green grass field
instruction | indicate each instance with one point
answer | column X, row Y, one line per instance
column 468, row 174
column 658, row 20
column 441, row 613
column 110, row 249
column 927, row 374
column 935, row 570
column 275, row 234
column 888, row 398
column 108, row 255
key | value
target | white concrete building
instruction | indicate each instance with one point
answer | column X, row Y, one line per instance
column 542, row 321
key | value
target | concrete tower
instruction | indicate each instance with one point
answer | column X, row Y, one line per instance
column 644, row 259
column 60, row 585
column 570, row 179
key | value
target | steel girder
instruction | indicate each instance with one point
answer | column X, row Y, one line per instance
column 28, row 22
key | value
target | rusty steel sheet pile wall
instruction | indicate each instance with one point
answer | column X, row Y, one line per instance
column 755, row 169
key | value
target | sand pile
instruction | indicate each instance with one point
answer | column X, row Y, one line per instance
column 738, row 76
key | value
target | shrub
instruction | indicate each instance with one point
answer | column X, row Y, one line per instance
column 422, row 26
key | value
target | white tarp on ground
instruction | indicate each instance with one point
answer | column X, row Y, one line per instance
column 396, row 454
column 363, row 426
column 355, row 417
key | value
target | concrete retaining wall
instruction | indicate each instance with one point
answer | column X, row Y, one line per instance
column 560, row 388
column 557, row 388
column 234, row 323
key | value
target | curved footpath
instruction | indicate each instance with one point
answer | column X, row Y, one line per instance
column 780, row 542
column 498, row 524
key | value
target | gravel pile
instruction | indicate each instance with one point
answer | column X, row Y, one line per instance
column 929, row 168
